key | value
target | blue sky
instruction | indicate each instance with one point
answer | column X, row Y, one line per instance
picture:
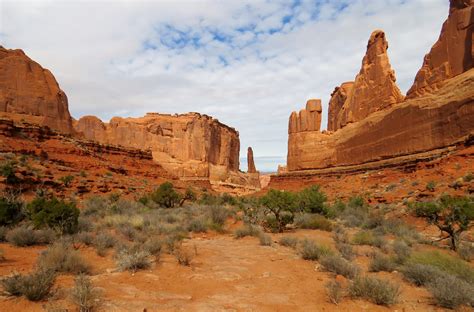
column 247, row 63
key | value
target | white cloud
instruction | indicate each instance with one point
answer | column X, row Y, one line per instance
column 248, row 63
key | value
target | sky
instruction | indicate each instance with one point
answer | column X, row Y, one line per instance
column 248, row 63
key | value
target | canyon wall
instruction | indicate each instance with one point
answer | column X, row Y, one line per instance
column 370, row 121
column 30, row 92
column 191, row 146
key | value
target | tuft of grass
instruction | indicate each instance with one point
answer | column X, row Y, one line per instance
column 265, row 239
column 381, row 262
column 289, row 241
column 198, row 225
column 314, row 222
column 84, row 295
column 247, row 230
column 133, row 259
column 310, row 250
column 62, row 258
column 446, row 263
column 346, row 250
column 335, row 291
column 451, row 292
column 153, row 246
column 402, row 251
column 339, row 265
column 184, row 256
column 378, row 291
column 35, row 286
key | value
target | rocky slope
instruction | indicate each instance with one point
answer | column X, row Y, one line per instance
column 31, row 92
column 373, row 124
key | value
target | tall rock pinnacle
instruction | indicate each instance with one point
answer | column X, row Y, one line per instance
column 250, row 162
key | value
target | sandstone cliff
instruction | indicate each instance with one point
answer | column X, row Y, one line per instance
column 308, row 119
column 452, row 54
column 28, row 91
column 189, row 145
column 374, row 88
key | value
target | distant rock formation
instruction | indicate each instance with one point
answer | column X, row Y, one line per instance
column 308, row 119
column 374, row 88
column 250, row 162
column 452, row 54
column 366, row 127
column 28, row 91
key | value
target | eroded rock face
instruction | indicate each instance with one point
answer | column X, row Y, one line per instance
column 452, row 54
column 374, row 88
column 28, row 89
column 250, row 162
column 189, row 145
column 338, row 98
column 308, row 119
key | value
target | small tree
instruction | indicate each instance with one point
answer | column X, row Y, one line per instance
column 312, row 200
column 281, row 205
column 188, row 195
column 165, row 195
column 452, row 215
column 8, row 171
column 67, row 180
column 10, row 210
column 56, row 214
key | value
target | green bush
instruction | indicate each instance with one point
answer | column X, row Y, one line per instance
column 339, row 265
column 378, row 291
column 452, row 215
column 313, row 221
column 312, row 200
column 56, row 214
column 8, row 170
column 166, row 196
column 430, row 186
column 446, row 263
column 35, row 286
column 10, row 211
column 310, row 250
column 281, row 205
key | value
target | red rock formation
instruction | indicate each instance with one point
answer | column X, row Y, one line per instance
column 338, row 98
column 452, row 54
column 189, row 145
column 29, row 91
column 250, row 162
column 374, row 87
column 308, row 119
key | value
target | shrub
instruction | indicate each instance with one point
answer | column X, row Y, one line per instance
column 402, row 251
column 452, row 215
column 312, row 200
column 466, row 252
column 62, row 258
column 56, row 214
column 289, row 241
column 84, row 294
column 198, row 225
column 430, row 186
column 265, row 239
column 133, row 259
column 420, row 274
column 310, row 250
column 346, row 250
column 85, row 238
column 67, row 180
column 363, row 238
column 378, row 291
column 381, row 262
column 8, row 170
column 102, row 242
column 247, row 230
column 165, row 195
column 10, row 211
column 314, row 222
column 335, row 291
column 281, row 205
column 153, row 246
column 3, row 233
column 218, row 215
column 339, row 265
column 184, row 256
column 445, row 263
column 25, row 236
column 35, row 286
column 451, row 292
